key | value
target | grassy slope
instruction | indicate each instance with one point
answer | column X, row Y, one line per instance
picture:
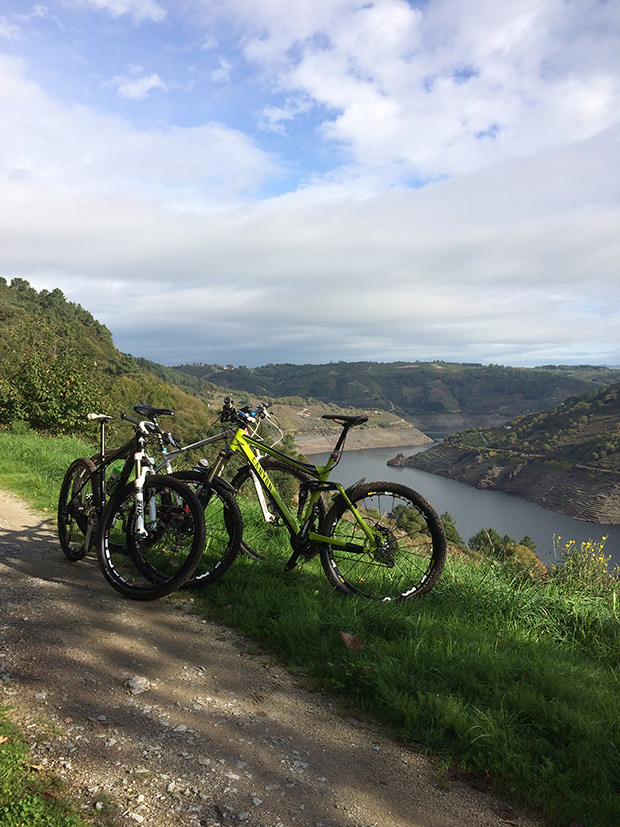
column 492, row 672
column 582, row 430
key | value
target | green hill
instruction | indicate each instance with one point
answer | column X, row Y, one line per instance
column 432, row 395
column 583, row 430
column 57, row 363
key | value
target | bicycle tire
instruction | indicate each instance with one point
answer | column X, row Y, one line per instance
column 150, row 567
column 412, row 552
column 287, row 481
column 223, row 527
column 78, row 509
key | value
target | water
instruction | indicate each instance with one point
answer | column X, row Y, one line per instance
column 474, row 509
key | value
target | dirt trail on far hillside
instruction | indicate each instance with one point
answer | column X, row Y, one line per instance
column 220, row 736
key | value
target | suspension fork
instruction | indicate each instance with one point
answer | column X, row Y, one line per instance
column 268, row 516
column 141, row 472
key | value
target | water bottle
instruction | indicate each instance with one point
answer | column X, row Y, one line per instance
column 114, row 476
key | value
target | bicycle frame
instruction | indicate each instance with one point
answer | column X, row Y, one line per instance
column 135, row 458
column 252, row 448
column 171, row 456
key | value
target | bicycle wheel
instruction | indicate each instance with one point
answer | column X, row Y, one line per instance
column 156, row 564
column 287, row 481
column 410, row 543
column 223, row 526
column 78, row 508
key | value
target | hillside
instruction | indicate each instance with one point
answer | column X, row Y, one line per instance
column 566, row 459
column 57, row 363
column 435, row 396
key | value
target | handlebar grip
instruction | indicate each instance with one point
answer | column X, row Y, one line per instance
column 131, row 419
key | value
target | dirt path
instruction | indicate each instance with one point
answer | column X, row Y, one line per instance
column 221, row 736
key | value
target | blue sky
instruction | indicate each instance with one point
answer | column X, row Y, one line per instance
column 253, row 181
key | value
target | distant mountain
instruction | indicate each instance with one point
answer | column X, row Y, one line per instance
column 566, row 458
column 435, row 396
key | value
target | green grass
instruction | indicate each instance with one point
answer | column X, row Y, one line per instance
column 500, row 679
column 28, row 797
column 492, row 673
column 33, row 466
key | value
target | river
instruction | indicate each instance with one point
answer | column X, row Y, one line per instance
column 473, row 509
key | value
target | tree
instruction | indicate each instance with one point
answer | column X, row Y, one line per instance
column 491, row 543
column 449, row 527
column 45, row 382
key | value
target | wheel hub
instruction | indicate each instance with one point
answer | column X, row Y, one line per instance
column 387, row 546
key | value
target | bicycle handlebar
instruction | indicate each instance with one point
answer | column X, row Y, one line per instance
column 242, row 415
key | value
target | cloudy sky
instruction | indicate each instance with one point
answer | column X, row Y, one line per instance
column 253, row 181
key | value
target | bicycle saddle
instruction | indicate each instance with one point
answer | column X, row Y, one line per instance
column 344, row 419
column 148, row 412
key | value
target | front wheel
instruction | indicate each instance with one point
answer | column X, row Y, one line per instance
column 78, row 509
column 406, row 554
column 153, row 563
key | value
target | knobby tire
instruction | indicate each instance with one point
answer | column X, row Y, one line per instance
column 150, row 567
column 78, row 509
column 223, row 526
column 411, row 543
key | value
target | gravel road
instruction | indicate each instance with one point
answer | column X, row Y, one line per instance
column 209, row 733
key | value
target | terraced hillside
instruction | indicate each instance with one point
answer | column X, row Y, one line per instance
column 566, row 459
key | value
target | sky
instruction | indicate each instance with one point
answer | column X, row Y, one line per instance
column 263, row 181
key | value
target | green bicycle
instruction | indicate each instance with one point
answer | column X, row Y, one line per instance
column 381, row 540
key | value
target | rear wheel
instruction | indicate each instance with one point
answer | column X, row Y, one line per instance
column 78, row 509
column 223, row 526
column 165, row 557
column 408, row 550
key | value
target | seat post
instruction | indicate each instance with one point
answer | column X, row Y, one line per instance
column 341, row 439
column 102, row 440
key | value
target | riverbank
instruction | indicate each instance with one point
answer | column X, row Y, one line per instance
column 578, row 492
column 316, row 442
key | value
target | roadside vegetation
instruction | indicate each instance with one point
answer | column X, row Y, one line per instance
column 506, row 671
column 28, row 795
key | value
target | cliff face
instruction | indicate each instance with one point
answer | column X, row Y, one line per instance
column 579, row 492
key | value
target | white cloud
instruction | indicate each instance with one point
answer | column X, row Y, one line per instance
column 499, row 264
column 9, row 31
column 509, row 254
column 445, row 88
column 222, row 74
column 139, row 88
column 47, row 144
column 138, row 9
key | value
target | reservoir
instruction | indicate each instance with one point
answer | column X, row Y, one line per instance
column 473, row 509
